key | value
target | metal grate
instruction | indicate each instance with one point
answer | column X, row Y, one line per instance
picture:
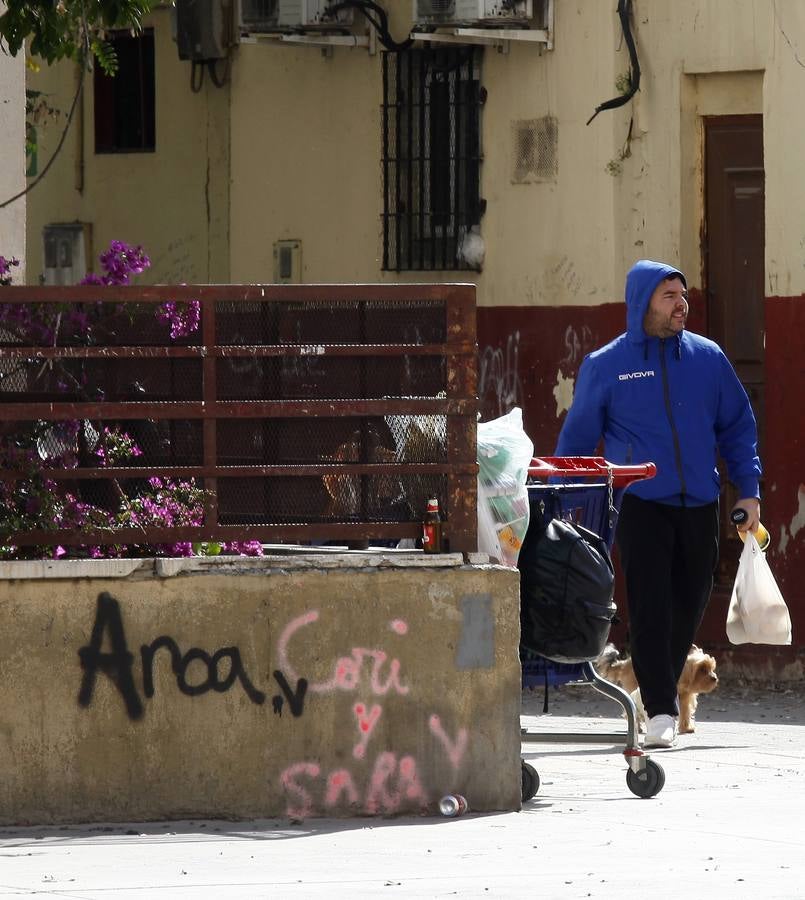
column 431, row 156
column 435, row 8
column 535, row 144
column 303, row 413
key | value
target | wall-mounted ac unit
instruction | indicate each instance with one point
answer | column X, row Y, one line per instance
column 256, row 16
column 471, row 12
column 203, row 29
column 266, row 16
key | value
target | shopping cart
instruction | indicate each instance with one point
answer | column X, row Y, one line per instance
column 586, row 490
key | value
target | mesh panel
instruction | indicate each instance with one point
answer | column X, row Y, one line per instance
column 132, row 443
column 535, row 143
column 435, row 8
column 315, row 375
column 322, row 322
column 156, row 413
column 92, row 323
column 400, row 439
column 328, row 498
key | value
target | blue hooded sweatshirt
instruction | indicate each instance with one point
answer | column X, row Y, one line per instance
column 673, row 401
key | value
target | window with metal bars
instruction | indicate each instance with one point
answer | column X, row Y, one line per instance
column 125, row 111
column 431, row 156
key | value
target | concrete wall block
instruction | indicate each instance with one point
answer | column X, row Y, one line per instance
column 300, row 693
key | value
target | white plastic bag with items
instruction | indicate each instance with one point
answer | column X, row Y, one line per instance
column 757, row 613
column 504, row 455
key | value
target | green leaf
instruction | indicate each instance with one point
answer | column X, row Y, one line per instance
column 106, row 55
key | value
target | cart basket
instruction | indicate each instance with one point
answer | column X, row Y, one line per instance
column 566, row 575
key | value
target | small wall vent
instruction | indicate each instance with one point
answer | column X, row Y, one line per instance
column 535, row 150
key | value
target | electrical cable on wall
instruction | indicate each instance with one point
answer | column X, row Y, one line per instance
column 381, row 26
column 212, row 68
column 624, row 14
column 196, row 75
column 198, row 68
column 83, row 64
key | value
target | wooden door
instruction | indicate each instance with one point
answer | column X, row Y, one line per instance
column 734, row 250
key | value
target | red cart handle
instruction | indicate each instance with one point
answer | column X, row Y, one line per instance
column 589, row 467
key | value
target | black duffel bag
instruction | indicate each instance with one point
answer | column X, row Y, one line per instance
column 566, row 587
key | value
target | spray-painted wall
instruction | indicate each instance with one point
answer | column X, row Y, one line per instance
column 279, row 687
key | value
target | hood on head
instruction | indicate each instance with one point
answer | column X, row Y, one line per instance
column 643, row 278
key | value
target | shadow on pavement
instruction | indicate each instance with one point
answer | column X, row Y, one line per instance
column 728, row 703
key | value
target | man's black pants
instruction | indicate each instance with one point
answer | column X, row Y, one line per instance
column 668, row 555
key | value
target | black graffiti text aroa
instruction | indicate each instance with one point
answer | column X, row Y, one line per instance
column 117, row 664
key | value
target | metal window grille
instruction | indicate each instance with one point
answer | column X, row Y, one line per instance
column 125, row 110
column 431, row 156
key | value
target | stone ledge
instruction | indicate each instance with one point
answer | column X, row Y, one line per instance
column 278, row 558
column 354, row 559
column 20, row 569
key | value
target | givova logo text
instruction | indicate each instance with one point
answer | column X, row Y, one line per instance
column 627, row 376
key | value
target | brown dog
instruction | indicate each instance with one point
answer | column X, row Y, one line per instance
column 698, row 677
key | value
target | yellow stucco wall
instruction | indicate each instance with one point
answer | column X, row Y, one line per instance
column 173, row 201
column 298, row 134
column 283, row 687
column 320, row 136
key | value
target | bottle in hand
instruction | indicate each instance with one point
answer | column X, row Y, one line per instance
column 762, row 536
column 432, row 528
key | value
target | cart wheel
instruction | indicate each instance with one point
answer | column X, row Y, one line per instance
column 647, row 782
column 530, row 780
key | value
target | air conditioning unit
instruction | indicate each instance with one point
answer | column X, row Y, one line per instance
column 307, row 13
column 471, row 12
column 203, row 29
column 257, row 16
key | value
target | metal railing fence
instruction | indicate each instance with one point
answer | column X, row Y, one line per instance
column 301, row 413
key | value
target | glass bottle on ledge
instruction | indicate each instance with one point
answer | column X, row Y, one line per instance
column 432, row 528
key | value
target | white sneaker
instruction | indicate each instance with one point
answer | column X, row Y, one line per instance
column 661, row 731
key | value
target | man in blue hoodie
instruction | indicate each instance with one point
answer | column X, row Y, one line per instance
column 661, row 394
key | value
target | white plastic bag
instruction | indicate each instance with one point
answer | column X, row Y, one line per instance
column 504, row 455
column 757, row 613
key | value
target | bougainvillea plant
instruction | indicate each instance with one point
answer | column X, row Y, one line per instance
column 5, row 269
column 38, row 501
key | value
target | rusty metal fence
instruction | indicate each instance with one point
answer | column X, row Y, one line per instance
column 303, row 413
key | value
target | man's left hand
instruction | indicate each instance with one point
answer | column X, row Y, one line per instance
column 752, row 507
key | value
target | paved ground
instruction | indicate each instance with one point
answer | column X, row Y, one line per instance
column 728, row 823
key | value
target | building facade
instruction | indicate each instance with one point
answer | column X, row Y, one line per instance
column 344, row 153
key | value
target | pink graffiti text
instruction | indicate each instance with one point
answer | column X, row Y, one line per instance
column 454, row 749
column 391, row 785
column 366, row 724
column 348, row 671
